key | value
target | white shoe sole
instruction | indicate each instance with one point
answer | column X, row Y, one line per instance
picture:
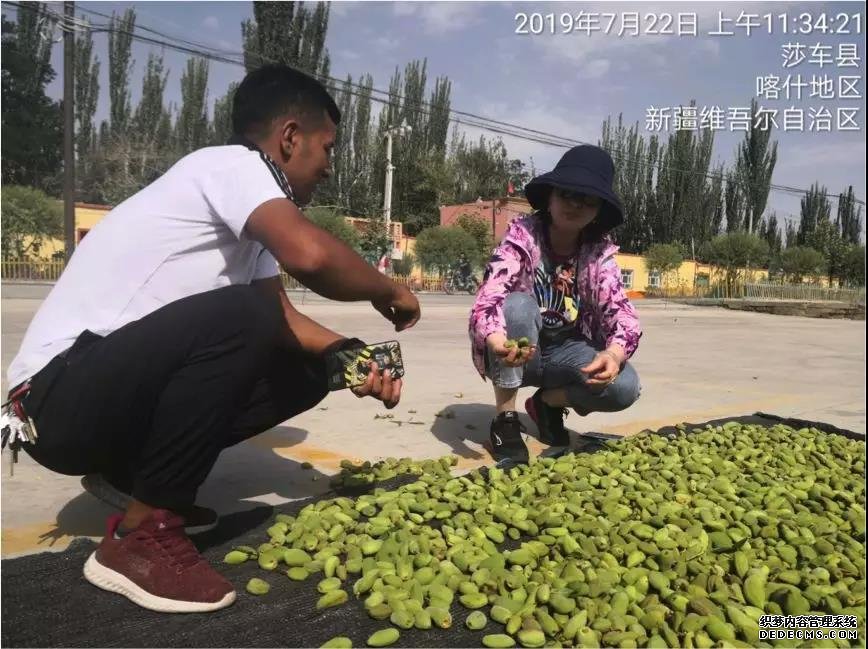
column 113, row 581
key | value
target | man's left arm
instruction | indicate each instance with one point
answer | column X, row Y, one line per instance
column 301, row 332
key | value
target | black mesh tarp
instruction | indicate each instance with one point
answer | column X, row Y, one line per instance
column 46, row 601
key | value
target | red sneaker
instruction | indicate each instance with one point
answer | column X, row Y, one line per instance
column 157, row 567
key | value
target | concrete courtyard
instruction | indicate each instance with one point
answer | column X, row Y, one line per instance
column 695, row 364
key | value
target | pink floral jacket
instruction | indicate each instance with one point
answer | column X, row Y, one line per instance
column 606, row 315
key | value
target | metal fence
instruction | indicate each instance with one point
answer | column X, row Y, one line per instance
column 31, row 271
column 425, row 283
column 804, row 292
column 765, row 291
column 49, row 271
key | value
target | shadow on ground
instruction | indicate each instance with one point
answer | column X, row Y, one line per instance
column 245, row 477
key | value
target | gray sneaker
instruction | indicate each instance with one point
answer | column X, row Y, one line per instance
column 196, row 519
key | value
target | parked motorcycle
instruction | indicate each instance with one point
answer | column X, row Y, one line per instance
column 460, row 281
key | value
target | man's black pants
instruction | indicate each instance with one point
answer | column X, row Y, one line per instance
column 152, row 405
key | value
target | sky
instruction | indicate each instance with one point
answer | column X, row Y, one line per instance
column 569, row 81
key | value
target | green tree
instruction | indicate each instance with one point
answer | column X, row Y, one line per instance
column 733, row 203
column 221, row 127
column 364, row 192
column 792, row 235
column 288, row 33
column 404, row 266
column 756, row 159
column 768, row 229
column 816, row 209
column 438, row 248
column 828, row 241
column 375, row 242
column 191, row 130
column 86, row 95
column 29, row 218
column 120, row 40
column 663, row 258
column 854, row 266
column 32, row 129
column 734, row 252
column 150, row 132
column 481, row 233
column 334, row 223
column 799, row 262
column 849, row 220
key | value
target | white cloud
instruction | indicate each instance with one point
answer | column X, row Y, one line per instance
column 212, row 23
column 386, row 44
column 340, row 9
column 440, row 17
column 712, row 46
column 596, row 69
column 404, row 8
column 348, row 55
column 579, row 124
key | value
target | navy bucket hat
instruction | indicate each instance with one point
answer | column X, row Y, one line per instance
column 587, row 169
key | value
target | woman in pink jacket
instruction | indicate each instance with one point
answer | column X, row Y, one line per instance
column 554, row 280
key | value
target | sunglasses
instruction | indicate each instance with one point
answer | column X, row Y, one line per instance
column 579, row 198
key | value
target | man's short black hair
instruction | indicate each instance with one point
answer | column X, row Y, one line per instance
column 275, row 90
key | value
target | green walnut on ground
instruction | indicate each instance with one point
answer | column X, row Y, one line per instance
column 652, row 541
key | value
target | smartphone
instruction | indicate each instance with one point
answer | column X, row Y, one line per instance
column 349, row 368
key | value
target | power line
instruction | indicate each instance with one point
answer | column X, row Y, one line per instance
column 357, row 90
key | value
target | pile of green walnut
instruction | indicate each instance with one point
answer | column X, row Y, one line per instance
column 679, row 542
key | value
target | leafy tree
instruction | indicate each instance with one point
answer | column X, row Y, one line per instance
column 815, row 209
column 439, row 248
column 375, row 241
column 221, row 128
column 735, row 251
column 191, row 131
column 799, row 262
column 405, row 265
column 29, row 218
column 288, row 33
column 481, row 233
column 854, row 266
column 663, row 258
column 335, row 224
column 32, row 129
column 768, row 230
column 828, row 241
column 849, row 220
column 120, row 39
column 756, row 160
column 86, row 96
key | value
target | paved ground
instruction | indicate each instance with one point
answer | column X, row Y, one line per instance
column 695, row 363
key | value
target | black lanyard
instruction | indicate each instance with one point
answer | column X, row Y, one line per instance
column 273, row 167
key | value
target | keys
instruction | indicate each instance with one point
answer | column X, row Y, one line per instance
column 14, row 431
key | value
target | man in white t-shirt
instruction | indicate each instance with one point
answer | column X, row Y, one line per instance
column 169, row 336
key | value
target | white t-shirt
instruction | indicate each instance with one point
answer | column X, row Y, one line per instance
column 181, row 235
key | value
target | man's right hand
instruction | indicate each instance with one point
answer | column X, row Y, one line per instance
column 509, row 356
column 401, row 308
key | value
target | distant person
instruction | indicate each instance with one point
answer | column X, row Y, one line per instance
column 169, row 337
column 554, row 280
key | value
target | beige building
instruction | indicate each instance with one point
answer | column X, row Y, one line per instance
column 635, row 276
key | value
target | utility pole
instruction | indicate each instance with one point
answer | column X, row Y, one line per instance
column 390, row 168
column 68, row 128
